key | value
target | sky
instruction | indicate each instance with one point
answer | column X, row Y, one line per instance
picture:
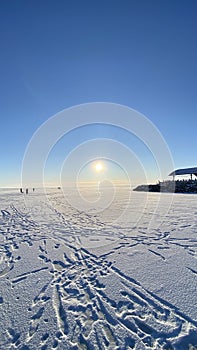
column 59, row 54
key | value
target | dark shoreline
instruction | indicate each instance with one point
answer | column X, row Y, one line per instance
column 178, row 186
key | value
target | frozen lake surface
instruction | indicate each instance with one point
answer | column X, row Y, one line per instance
column 86, row 278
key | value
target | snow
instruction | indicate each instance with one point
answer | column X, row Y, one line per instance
column 86, row 278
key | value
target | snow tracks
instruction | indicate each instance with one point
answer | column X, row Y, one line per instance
column 57, row 294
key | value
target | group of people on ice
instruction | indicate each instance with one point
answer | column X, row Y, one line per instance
column 26, row 191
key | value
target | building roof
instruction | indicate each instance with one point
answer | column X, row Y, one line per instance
column 184, row 171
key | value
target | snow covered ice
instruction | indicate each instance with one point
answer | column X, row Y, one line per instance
column 122, row 278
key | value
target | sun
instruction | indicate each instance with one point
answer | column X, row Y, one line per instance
column 99, row 167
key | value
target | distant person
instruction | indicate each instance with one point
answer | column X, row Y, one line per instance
column 26, row 190
column 21, row 190
column 33, row 189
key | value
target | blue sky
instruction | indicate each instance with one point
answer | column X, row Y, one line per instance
column 57, row 54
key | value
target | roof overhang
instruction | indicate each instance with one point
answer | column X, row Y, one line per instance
column 187, row 171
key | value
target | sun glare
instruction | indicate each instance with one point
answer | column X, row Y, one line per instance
column 98, row 167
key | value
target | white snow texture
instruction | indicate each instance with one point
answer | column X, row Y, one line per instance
column 72, row 279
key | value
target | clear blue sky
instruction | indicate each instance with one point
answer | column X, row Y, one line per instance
column 56, row 54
